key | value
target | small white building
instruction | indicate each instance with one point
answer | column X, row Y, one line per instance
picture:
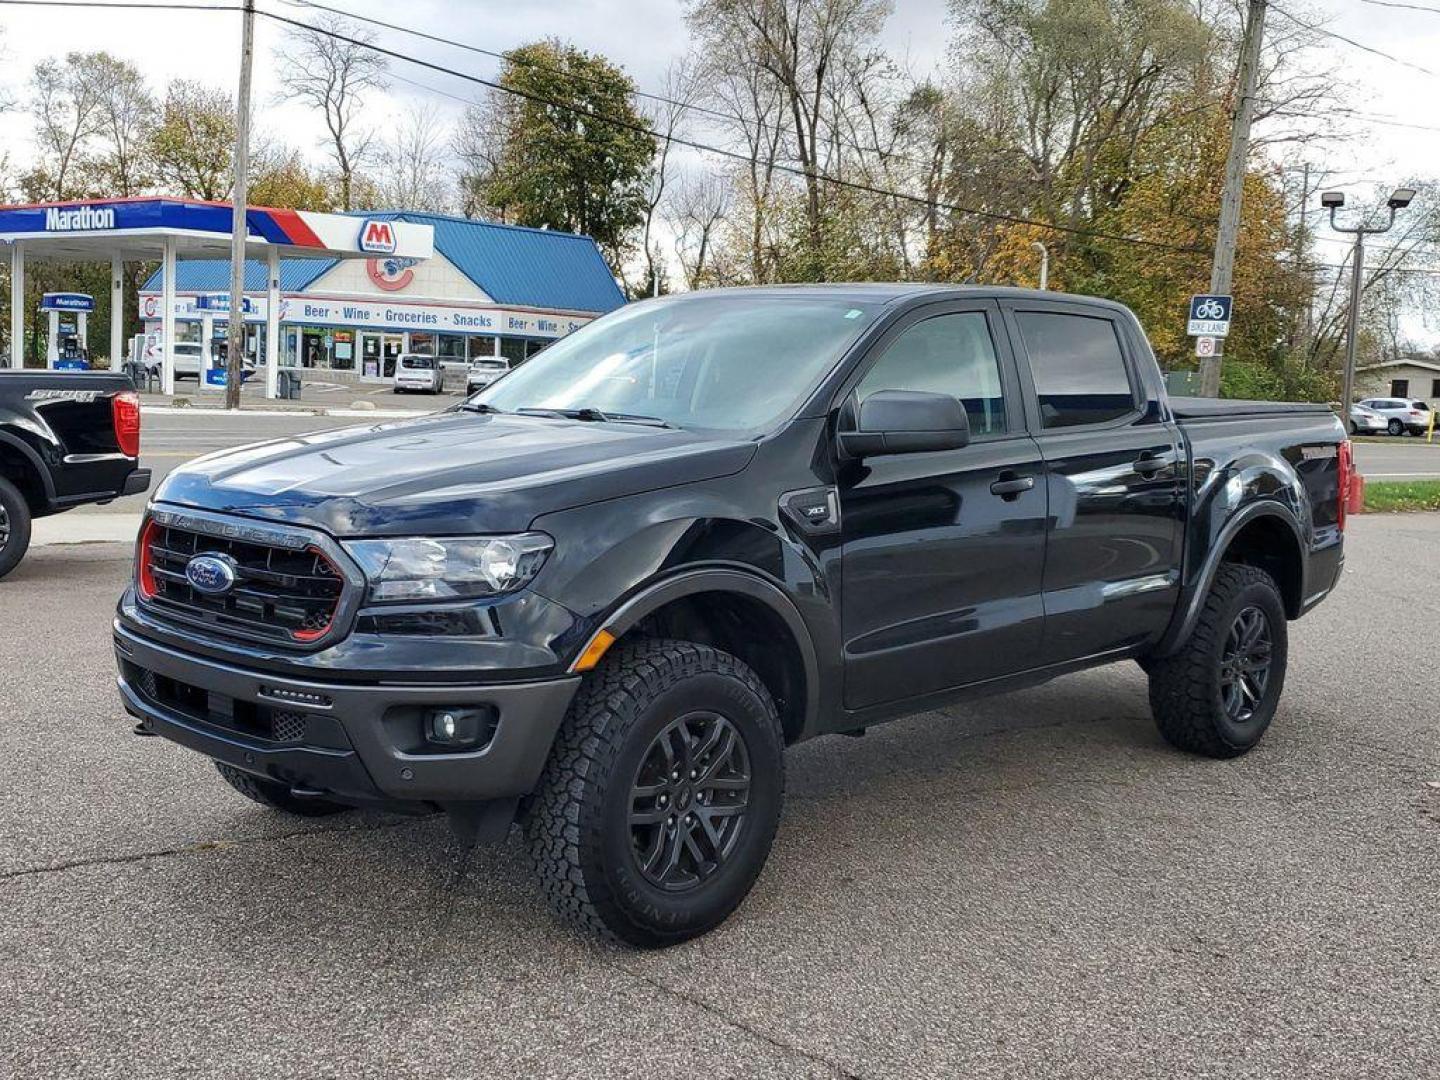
column 1416, row 380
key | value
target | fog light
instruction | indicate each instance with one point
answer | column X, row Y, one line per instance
column 458, row 728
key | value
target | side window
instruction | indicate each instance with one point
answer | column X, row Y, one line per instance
column 1079, row 370
column 947, row 354
column 1399, row 387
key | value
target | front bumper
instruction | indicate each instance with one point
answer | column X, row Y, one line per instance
column 358, row 744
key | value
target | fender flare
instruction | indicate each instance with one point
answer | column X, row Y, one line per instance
column 692, row 582
column 1194, row 598
column 47, row 483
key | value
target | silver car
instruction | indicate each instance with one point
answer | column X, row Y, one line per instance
column 416, row 372
column 1365, row 421
column 1401, row 414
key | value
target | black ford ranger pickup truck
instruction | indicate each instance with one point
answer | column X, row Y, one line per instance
column 603, row 595
column 66, row 438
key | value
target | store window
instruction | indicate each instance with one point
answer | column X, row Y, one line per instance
column 422, row 343
column 513, row 349
column 450, row 346
column 342, row 350
column 482, row 346
column 532, row 347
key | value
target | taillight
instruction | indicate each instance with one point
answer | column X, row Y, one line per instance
column 125, row 415
column 144, row 573
column 1345, row 462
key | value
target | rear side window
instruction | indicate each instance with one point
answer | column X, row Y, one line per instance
column 947, row 354
column 1079, row 370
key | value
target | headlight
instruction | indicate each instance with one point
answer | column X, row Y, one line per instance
column 450, row 569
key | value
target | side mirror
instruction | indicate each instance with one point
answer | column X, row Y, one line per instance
column 906, row 422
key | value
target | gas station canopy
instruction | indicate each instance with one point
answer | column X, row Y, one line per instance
column 166, row 229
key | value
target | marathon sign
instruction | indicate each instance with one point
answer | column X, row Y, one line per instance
column 79, row 218
column 67, row 301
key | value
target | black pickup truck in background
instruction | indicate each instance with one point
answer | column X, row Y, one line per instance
column 66, row 438
column 601, row 596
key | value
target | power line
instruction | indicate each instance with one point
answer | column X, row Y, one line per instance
column 1313, row 28
column 644, row 129
column 1404, row 7
column 123, row 5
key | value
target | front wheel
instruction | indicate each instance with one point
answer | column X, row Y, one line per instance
column 659, row 803
column 1218, row 694
column 1395, row 427
column 14, row 526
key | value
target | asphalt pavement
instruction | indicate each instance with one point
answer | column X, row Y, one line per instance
column 1398, row 458
column 1029, row 886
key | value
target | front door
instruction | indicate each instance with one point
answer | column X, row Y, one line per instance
column 1114, row 468
column 943, row 552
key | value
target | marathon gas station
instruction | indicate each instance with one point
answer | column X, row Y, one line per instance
column 338, row 294
column 168, row 230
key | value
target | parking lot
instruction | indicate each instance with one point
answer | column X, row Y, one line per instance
column 1026, row 886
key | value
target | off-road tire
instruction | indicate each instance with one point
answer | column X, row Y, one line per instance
column 17, row 516
column 277, row 796
column 578, row 826
column 1185, row 689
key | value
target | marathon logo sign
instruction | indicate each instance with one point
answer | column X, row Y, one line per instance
column 78, row 218
column 377, row 236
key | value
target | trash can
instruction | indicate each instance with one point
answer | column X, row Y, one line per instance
column 140, row 375
column 288, row 385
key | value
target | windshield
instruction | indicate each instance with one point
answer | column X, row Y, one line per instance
column 732, row 362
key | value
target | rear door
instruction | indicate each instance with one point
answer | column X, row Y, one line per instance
column 1114, row 465
column 943, row 551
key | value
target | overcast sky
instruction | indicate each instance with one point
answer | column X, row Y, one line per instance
column 645, row 35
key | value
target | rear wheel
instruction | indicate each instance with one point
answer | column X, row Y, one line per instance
column 1218, row 694
column 14, row 526
column 657, row 809
column 276, row 796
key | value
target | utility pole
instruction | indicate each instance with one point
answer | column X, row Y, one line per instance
column 1333, row 201
column 239, row 197
column 1044, row 264
column 1222, row 270
column 1301, row 247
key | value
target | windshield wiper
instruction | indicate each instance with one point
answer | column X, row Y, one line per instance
column 591, row 415
column 480, row 407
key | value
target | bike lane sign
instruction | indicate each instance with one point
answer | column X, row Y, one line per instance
column 1209, row 316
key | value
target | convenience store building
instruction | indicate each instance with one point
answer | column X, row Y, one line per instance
column 487, row 290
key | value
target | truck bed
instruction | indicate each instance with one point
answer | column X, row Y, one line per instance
column 1196, row 408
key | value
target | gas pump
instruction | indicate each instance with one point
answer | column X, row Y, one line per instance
column 67, row 343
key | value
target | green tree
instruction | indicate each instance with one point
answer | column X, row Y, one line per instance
column 541, row 155
column 280, row 178
column 193, row 143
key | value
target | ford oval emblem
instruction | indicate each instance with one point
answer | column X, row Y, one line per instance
column 213, row 575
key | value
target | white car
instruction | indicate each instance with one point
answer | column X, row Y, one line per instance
column 1365, row 421
column 189, row 356
column 485, row 371
column 416, row 372
column 1401, row 414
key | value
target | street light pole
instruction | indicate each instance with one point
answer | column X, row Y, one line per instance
column 239, row 197
column 1333, row 201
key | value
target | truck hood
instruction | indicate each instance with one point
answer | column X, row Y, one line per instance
column 452, row 473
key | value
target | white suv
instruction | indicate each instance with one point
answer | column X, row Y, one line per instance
column 1401, row 414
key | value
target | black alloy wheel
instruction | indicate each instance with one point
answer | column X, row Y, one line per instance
column 688, row 801
column 1245, row 664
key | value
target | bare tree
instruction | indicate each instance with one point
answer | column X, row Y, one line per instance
column 479, row 151
column 415, row 163
column 321, row 68
column 694, row 212
column 128, row 117
column 68, row 104
column 667, row 120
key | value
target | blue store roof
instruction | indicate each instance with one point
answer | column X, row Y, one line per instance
column 511, row 264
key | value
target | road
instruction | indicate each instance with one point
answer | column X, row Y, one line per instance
column 1031, row 886
column 1404, row 458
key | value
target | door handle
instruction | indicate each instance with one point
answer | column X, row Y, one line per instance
column 1149, row 463
column 1009, row 486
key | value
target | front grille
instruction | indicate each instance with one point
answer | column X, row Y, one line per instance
column 280, row 594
